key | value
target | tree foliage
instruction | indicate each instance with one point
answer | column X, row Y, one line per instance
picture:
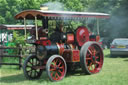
column 116, row 26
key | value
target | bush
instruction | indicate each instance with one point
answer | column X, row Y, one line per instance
column 18, row 40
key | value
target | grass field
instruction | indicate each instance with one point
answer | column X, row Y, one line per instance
column 114, row 72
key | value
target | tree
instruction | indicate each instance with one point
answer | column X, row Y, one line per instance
column 8, row 8
column 116, row 26
column 116, row 8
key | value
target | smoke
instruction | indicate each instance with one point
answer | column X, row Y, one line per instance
column 119, row 25
column 54, row 6
column 116, row 25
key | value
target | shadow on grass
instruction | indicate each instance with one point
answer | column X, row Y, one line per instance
column 44, row 77
column 115, row 56
column 119, row 56
column 107, row 56
column 76, row 73
column 126, row 60
column 12, row 78
column 21, row 78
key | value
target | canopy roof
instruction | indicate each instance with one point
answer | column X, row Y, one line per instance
column 30, row 14
column 15, row 27
column 3, row 27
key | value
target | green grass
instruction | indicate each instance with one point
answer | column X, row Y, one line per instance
column 114, row 72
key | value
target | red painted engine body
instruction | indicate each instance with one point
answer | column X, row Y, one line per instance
column 69, row 48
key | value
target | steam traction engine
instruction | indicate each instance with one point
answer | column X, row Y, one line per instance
column 61, row 51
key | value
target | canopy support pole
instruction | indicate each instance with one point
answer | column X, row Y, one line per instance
column 36, row 28
column 86, row 22
column 1, row 35
column 98, row 27
column 7, row 37
column 25, row 28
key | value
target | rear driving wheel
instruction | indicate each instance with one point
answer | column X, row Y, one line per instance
column 91, row 57
column 56, row 68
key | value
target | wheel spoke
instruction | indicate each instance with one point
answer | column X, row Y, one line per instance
column 90, row 52
column 37, row 71
column 30, row 63
column 36, row 62
column 29, row 71
column 95, row 66
column 88, row 58
column 97, row 62
column 52, row 73
column 29, row 66
column 33, row 61
column 94, row 52
column 56, row 60
column 52, row 69
column 60, row 71
column 87, row 62
column 97, row 52
column 90, row 64
column 97, row 57
column 89, row 68
column 54, row 63
column 92, row 68
column 91, row 49
column 62, row 67
column 57, row 75
column 59, row 64
column 34, row 73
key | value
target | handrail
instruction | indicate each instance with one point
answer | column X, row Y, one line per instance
column 1, row 47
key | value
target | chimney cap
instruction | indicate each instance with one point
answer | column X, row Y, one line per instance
column 43, row 7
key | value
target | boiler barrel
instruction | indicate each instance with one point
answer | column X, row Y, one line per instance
column 52, row 49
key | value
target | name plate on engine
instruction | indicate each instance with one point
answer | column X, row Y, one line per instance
column 75, row 55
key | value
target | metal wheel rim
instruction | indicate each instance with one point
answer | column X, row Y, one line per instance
column 31, row 69
column 94, row 58
column 56, row 68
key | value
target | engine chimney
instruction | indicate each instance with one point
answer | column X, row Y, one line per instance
column 43, row 7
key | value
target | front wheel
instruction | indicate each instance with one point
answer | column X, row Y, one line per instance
column 56, row 68
column 31, row 67
column 91, row 57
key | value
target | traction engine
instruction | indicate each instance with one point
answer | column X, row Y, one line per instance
column 62, row 52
